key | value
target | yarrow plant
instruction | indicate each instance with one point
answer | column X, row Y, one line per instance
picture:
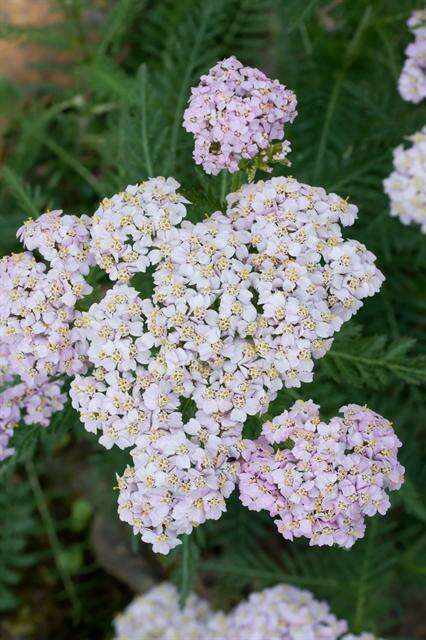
column 279, row 613
column 406, row 185
column 243, row 303
column 412, row 81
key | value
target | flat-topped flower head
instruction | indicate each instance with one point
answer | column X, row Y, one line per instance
column 36, row 316
column 242, row 304
column 30, row 404
column 412, row 81
column 406, row 185
column 281, row 612
column 158, row 615
column 129, row 228
column 235, row 113
column 62, row 240
column 181, row 477
column 258, row 293
column 319, row 480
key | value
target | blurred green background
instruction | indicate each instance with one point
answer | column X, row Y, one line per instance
column 91, row 98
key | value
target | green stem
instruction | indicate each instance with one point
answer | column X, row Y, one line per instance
column 362, row 592
column 223, row 187
column 184, row 574
column 51, row 534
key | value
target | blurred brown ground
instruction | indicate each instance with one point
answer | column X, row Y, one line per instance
column 18, row 60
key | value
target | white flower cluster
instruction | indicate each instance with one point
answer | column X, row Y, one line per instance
column 258, row 293
column 128, row 230
column 412, row 81
column 35, row 318
column 180, row 479
column 117, row 345
column 156, row 615
column 62, row 240
column 406, row 185
column 37, row 341
column 242, row 303
column 279, row 613
column 183, row 472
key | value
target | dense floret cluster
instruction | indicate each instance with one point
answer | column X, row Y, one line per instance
column 412, row 81
column 157, row 615
column 62, row 240
column 256, row 294
column 38, row 343
column 236, row 113
column 129, row 230
column 406, row 185
column 31, row 404
column 36, row 315
column 279, row 613
column 181, row 478
column 319, row 480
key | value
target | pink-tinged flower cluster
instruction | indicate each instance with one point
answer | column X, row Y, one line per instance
column 412, row 81
column 9, row 417
column 158, row 616
column 181, row 477
column 38, row 343
column 62, row 240
column 182, row 472
column 319, row 480
column 242, row 304
column 129, row 229
column 406, row 185
column 279, row 613
column 36, row 318
column 236, row 113
column 111, row 398
column 31, row 404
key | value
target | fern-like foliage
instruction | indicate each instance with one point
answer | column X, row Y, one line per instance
column 374, row 361
column 17, row 523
